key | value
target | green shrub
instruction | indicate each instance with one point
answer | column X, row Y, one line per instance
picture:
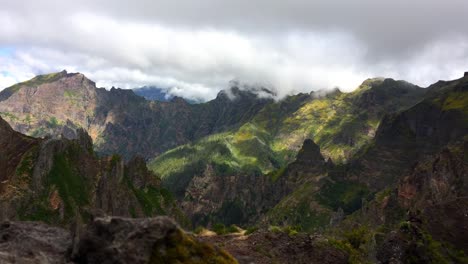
column 275, row 229
column 198, row 230
column 357, row 237
column 232, row 229
column 250, row 230
column 219, row 229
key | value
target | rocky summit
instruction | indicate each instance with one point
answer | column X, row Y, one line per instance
column 377, row 175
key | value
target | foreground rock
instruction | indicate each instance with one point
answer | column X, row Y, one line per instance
column 106, row 240
column 31, row 243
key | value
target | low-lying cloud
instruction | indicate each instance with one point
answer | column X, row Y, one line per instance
column 289, row 48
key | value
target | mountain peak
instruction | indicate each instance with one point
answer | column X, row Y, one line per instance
column 153, row 93
column 310, row 152
column 41, row 80
column 246, row 92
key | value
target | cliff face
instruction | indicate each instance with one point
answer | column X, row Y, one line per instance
column 245, row 198
column 407, row 136
column 420, row 219
column 13, row 148
column 434, row 194
column 59, row 180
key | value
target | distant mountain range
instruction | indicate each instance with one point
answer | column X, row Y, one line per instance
column 153, row 93
column 380, row 173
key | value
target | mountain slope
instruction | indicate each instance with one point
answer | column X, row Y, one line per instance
column 14, row 147
column 405, row 137
column 402, row 139
column 57, row 181
column 153, row 93
column 420, row 219
column 118, row 120
column 340, row 123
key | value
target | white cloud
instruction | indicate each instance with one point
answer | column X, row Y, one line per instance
column 195, row 60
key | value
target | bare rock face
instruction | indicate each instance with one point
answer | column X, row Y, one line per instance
column 48, row 102
column 436, row 180
column 32, row 243
column 149, row 240
column 106, row 240
column 309, row 165
column 231, row 199
column 244, row 198
column 434, row 193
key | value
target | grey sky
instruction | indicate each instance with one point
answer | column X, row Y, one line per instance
column 195, row 47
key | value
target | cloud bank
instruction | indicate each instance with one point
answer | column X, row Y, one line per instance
column 194, row 48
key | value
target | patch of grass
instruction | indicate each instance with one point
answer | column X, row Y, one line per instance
column 26, row 166
column 251, row 230
column 342, row 194
column 456, row 101
column 72, row 187
column 275, row 229
column 70, row 94
column 221, row 229
column 36, row 81
column 355, row 256
column 300, row 210
column 9, row 116
column 53, row 122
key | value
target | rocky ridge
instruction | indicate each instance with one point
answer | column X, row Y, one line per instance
column 59, row 180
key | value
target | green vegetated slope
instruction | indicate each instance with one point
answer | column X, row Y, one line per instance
column 340, row 123
column 404, row 197
column 402, row 139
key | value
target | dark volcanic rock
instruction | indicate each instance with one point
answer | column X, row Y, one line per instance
column 150, row 240
column 243, row 198
column 310, row 153
column 309, row 164
column 32, row 243
column 106, row 240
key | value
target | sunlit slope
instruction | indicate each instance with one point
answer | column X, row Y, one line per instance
column 340, row 123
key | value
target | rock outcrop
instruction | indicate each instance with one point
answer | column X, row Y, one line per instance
column 106, row 240
column 59, row 180
column 421, row 219
column 245, row 198
column 32, row 243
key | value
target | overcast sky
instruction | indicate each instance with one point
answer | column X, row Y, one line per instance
column 194, row 48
